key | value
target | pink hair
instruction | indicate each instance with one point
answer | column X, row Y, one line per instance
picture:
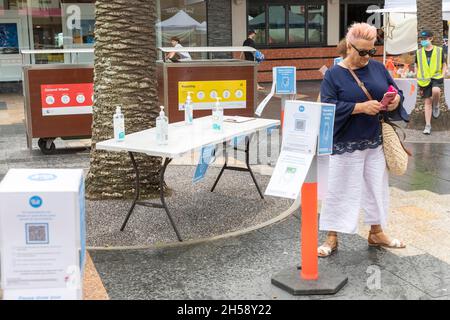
column 361, row 31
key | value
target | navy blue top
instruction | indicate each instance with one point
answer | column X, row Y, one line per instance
column 360, row 131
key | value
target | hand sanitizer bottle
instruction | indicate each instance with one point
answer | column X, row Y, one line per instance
column 162, row 128
column 217, row 117
column 189, row 110
column 119, row 125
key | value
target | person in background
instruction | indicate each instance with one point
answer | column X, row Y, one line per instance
column 177, row 56
column 431, row 69
column 250, row 42
column 342, row 51
column 358, row 176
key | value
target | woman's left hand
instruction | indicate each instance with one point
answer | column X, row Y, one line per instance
column 394, row 104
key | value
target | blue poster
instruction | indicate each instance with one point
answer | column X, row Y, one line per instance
column 338, row 60
column 206, row 158
column 9, row 38
column 286, row 80
column 326, row 134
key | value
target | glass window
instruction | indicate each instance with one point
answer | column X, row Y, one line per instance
column 277, row 25
column 185, row 20
column 257, row 21
column 288, row 22
column 316, row 24
column 296, row 17
column 357, row 12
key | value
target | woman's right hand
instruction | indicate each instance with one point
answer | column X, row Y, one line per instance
column 372, row 108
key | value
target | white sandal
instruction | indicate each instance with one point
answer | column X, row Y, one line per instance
column 326, row 251
column 394, row 244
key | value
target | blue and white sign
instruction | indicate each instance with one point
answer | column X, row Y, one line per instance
column 206, row 158
column 326, row 133
column 338, row 60
column 286, row 80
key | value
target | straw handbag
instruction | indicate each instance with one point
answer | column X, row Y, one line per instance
column 394, row 151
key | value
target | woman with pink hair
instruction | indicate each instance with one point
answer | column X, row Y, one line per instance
column 358, row 177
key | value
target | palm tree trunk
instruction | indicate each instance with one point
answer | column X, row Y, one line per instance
column 125, row 75
column 429, row 17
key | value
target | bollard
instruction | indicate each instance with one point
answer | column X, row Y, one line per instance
column 311, row 280
column 310, row 227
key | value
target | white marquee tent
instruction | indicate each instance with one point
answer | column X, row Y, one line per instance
column 181, row 20
column 410, row 6
column 401, row 24
column 183, row 26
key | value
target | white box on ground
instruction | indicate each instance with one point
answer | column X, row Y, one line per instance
column 42, row 234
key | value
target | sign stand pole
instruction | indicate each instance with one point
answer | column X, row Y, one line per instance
column 306, row 280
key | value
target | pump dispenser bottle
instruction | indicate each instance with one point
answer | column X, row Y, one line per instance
column 119, row 125
column 188, row 110
column 162, row 128
column 217, row 117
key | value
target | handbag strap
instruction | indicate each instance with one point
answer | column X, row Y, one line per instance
column 359, row 82
column 367, row 93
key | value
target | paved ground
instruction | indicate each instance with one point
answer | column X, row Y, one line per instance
column 241, row 267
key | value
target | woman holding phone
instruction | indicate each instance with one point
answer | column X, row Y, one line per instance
column 358, row 177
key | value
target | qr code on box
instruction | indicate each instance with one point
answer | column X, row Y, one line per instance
column 37, row 233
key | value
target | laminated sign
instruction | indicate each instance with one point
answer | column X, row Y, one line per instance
column 233, row 94
column 67, row 99
column 307, row 132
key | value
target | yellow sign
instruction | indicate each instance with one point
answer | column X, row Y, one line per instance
column 233, row 94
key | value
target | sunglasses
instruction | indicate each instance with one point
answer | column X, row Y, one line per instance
column 364, row 53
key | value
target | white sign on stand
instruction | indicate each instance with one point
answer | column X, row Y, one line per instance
column 42, row 234
column 304, row 123
column 284, row 83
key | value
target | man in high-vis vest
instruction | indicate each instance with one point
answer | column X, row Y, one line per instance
column 431, row 69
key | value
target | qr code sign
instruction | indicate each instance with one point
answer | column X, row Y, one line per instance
column 37, row 233
column 300, row 125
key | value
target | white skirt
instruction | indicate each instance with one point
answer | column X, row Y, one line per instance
column 356, row 181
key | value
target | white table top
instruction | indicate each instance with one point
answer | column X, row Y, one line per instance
column 184, row 139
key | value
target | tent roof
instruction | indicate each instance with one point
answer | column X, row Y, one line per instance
column 179, row 20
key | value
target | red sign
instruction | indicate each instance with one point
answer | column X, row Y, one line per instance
column 67, row 99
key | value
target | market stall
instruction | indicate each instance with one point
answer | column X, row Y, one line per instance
column 231, row 80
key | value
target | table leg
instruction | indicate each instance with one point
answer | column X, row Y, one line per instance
column 136, row 201
column 137, row 190
column 247, row 162
column 167, row 161
column 223, row 168
column 248, row 169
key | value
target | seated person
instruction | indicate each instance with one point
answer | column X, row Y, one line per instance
column 177, row 56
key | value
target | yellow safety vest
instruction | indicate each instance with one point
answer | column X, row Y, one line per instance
column 426, row 71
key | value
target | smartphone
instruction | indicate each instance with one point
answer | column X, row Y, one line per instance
column 389, row 97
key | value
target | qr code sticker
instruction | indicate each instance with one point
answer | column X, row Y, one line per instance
column 300, row 125
column 37, row 233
